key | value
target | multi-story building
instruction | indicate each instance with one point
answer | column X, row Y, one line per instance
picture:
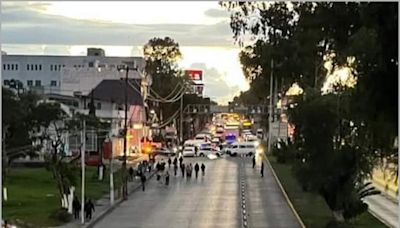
column 66, row 74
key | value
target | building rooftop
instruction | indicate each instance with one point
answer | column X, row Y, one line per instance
column 113, row 90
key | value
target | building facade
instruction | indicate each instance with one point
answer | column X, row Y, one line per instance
column 66, row 74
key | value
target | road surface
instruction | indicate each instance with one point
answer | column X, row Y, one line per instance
column 214, row 200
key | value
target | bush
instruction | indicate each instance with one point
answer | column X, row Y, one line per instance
column 283, row 152
column 61, row 215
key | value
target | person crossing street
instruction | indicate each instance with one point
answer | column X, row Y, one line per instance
column 196, row 169
column 203, row 169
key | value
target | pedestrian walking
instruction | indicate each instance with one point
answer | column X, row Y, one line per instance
column 89, row 208
column 262, row 169
column 196, row 169
column 180, row 161
column 203, row 169
column 143, row 180
column 130, row 173
column 175, row 162
column 183, row 169
column 76, row 207
column 254, row 161
column 167, row 178
column 169, row 163
column 175, row 169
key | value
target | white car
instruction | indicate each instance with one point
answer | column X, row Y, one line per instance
column 206, row 151
column 242, row 148
column 188, row 152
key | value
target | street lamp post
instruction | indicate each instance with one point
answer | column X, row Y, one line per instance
column 270, row 107
column 125, row 133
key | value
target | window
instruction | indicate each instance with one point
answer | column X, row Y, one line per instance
column 8, row 66
column 27, row 66
column 98, row 105
column 29, row 83
column 4, row 66
column 38, row 83
column 91, row 64
column 40, row 67
column 53, row 83
column 16, row 66
column 36, row 67
column 242, row 146
column 6, row 82
column 12, row 66
column 51, row 67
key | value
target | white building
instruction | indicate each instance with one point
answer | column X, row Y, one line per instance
column 66, row 74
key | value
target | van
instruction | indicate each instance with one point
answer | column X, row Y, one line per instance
column 242, row 148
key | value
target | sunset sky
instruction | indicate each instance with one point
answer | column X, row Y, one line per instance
column 121, row 28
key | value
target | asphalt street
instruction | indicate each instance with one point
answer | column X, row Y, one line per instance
column 215, row 200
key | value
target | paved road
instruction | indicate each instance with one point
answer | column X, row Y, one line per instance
column 210, row 201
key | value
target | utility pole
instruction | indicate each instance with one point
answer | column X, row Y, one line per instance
column 111, row 178
column 83, row 138
column 270, row 107
column 181, row 122
column 124, row 170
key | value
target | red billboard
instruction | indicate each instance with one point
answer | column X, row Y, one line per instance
column 195, row 75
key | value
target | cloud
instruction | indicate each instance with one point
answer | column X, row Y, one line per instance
column 215, row 84
column 217, row 13
column 22, row 24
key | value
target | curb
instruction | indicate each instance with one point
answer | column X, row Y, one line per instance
column 285, row 195
column 111, row 208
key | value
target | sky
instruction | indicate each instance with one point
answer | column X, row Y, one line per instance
column 122, row 28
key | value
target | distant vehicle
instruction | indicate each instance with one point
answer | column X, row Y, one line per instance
column 206, row 151
column 164, row 151
column 203, row 137
column 243, row 148
column 188, row 152
column 230, row 138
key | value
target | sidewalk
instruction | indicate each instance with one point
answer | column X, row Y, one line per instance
column 103, row 207
column 384, row 209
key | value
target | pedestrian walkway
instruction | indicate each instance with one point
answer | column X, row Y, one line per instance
column 384, row 209
column 103, row 206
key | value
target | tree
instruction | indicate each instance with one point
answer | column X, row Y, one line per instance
column 335, row 154
column 161, row 56
column 336, row 32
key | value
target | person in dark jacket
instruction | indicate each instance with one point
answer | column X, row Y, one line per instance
column 196, row 169
column 76, row 207
column 175, row 169
column 262, row 169
column 203, row 169
column 89, row 208
column 254, row 161
column 167, row 178
column 143, row 180
column 169, row 163
column 175, row 162
column 183, row 169
column 130, row 173
column 180, row 161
